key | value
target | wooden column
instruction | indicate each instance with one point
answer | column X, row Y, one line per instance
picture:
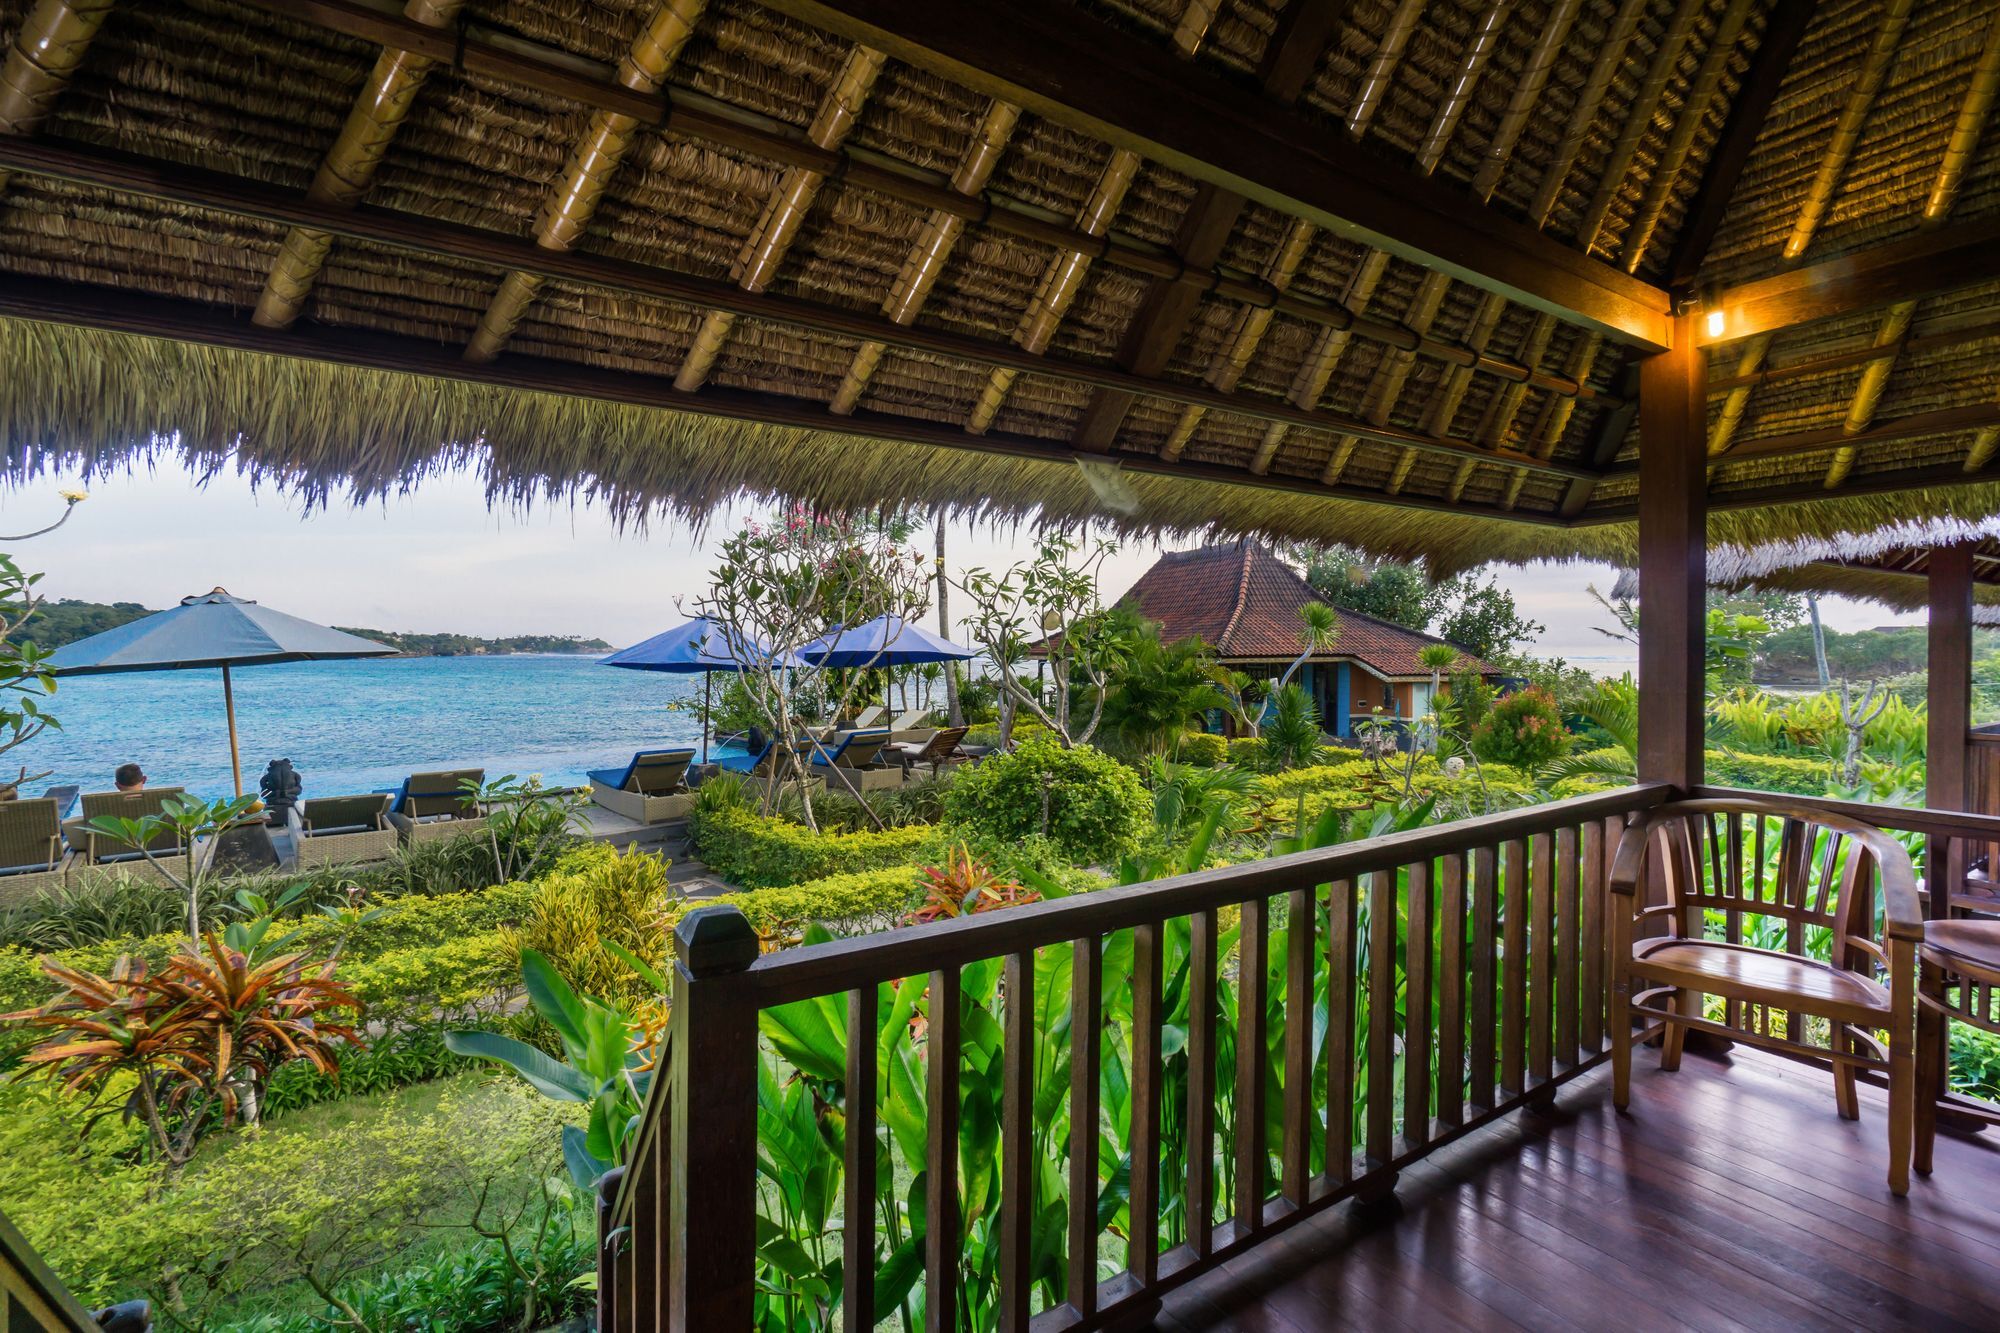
column 712, row 1220
column 1947, row 744
column 1673, row 559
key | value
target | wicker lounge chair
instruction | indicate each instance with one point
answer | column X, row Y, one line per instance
column 343, row 830
column 650, row 789
column 100, row 858
column 908, row 725
column 31, row 848
column 939, row 750
column 433, row 807
column 858, row 755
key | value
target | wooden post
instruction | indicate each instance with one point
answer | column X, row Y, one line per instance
column 711, row 1216
column 1673, row 559
column 1947, row 748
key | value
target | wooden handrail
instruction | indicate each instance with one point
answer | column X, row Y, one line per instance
column 1464, row 974
column 826, row 969
column 1908, row 818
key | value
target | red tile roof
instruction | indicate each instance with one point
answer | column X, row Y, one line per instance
column 1244, row 602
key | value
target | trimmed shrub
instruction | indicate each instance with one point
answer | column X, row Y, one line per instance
column 1247, row 752
column 459, row 980
column 1525, row 730
column 576, row 910
column 1769, row 772
column 851, row 903
column 1089, row 805
column 760, row 851
column 1203, row 749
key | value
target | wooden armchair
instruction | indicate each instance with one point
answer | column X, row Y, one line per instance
column 1704, row 890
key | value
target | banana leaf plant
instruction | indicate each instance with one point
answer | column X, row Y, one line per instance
column 606, row 1066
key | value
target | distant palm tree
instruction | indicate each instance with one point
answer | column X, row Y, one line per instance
column 1437, row 658
column 1322, row 631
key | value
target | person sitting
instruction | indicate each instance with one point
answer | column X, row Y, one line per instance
column 129, row 777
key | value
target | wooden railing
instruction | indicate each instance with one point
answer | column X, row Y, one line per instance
column 31, row 1297
column 1389, row 996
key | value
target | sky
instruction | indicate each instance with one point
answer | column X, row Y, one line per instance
column 438, row 560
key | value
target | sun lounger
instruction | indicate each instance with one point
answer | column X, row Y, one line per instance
column 433, row 807
column 648, row 790
column 31, row 848
column 939, row 750
column 344, row 830
column 857, row 754
column 868, row 717
column 754, row 764
column 908, row 725
column 98, row 857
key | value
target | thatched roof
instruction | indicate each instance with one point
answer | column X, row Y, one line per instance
column 1891, row 565
column 662, row 251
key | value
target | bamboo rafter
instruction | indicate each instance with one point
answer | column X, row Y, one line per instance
column 45, row 52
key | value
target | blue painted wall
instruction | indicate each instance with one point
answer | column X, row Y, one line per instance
column 1343, row 705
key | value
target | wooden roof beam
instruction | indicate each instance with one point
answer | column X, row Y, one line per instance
column 1293, row 53
column 46, row 51
column 124, row 173
column 680, row 111
column 120, row 311
column 1134, row 94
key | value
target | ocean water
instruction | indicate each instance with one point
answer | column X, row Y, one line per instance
column 362, row 725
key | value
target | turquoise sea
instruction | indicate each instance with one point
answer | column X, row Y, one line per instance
column 357, row 726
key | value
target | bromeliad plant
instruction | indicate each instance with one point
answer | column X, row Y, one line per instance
column 607, row 1061
column 192, row 1048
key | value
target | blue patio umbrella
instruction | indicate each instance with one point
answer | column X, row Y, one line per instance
column 212, row 629
column 698, row 645
column 885, row 641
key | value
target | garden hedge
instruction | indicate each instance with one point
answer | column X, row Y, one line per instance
column 766, row 852
column 1769, row 772
column 863, row 899
column 1089, row 805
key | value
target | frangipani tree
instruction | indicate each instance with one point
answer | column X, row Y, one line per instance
column 1051, row 600
column 783, row 583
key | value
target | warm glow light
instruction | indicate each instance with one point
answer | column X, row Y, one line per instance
column 1716, row 323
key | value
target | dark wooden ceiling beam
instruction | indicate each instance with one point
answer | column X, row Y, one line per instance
column 1887, row 482
column 679, row 111
column 149, row 178
column 1134, row 94
column 1941, row 259
column 1293, row 53
column 1747, row 114
column 1609, row 438
column 119, row 311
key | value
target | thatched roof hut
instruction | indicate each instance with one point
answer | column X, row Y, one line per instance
column 1373, row 272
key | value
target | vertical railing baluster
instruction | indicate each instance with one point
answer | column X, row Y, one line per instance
column 1142, row 1256
column 941, row 1220
column 1086, row 1063
column 712, row 1159
column 650, row 1244
column 1017, row 1128
column 1417, row 1007
column 1253, row 983
column 857, row 1298
column 1201, row 1083
column 1568, row 933
column 1732, row 920
column 1451, row 992
column 1485, row 935
column 1302, row 908
column 1381, row 1018
column 1541, row 956
column 1591, row 1028
column 1514, row 968
column 1340, row 980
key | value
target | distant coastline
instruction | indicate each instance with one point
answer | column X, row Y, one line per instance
column 65, row 621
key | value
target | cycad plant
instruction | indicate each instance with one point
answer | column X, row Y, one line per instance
column 1291, row 731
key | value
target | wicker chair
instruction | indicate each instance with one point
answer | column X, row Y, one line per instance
column 1722, row 880
column 436, row 807
column 344, row 830
column 98, row 849
column 31, row 848
column 650, row 789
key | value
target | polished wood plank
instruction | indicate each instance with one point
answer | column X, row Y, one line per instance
column 1583, row 1218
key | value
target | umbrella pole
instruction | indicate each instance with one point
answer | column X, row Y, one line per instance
column 229, row 707
column 707, row 680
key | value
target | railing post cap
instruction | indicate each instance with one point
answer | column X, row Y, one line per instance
column 714, row 940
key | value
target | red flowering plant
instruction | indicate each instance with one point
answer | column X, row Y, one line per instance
column 966, row 886
column 1524, row 729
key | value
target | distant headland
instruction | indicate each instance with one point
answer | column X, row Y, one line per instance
column 57, row 623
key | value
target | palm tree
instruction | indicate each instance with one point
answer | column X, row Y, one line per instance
column 1322, row 631
column 1437, row 658
column 1612, row 706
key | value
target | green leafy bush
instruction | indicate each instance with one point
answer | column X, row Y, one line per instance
column 604, row 897
column 1794, row 774
column 394, row 1060
column 850, row 903
column 1247, row 751
column 1203, row 749
column 1525, row 730
column 1092, row 807
column 465, row 979
column 761, row 851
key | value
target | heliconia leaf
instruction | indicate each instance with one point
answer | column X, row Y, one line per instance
column 584, row 1168
column 553, row 999
column 550, row 1076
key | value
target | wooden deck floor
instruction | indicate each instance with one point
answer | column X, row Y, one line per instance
column 1731, row 1197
